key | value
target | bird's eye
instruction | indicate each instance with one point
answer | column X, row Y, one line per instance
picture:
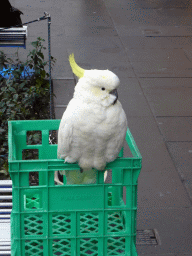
column 103, row 88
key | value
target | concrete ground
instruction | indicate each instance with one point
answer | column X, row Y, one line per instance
column 147, row 43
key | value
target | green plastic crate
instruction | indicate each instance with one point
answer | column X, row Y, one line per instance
column 69, row 220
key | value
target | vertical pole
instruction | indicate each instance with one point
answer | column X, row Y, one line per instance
column 49, row 49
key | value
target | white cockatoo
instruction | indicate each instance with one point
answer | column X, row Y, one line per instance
column 93, row 127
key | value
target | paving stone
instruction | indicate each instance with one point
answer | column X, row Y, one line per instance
column 173, row 226
column 166, row 101
column 141, row 42
column 181, row 153
column 158, row 56
column 176, row 128
column 162, row 68
column 165, row 82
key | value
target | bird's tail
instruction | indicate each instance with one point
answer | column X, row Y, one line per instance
column 76, row 177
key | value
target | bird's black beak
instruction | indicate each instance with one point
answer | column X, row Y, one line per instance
column 114, row 92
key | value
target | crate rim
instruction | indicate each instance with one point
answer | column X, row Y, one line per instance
column 129, row 140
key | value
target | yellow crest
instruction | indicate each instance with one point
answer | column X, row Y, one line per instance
column 79, row 72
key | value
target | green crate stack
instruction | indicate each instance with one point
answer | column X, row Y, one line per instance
column 69, row 220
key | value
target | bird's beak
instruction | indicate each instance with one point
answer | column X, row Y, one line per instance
column 114, row 92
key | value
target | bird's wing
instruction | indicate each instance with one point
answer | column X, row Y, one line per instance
column 77, row 125
column 69, row 123
column 117, row 140
column 65, row 135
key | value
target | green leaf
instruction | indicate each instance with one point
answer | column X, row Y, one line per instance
column 15, row 96
column 43, row 73
column 22, row 84
column 35, row 44
column 12, row 89
column 40, row 54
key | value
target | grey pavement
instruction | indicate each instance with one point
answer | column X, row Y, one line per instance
column 148, row 44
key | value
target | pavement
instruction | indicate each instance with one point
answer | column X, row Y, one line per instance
column 147, row 43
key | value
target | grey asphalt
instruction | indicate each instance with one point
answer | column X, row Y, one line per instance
column 147, row 43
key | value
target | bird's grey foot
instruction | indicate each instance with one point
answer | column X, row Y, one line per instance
column 81, row 170
column 69, row 159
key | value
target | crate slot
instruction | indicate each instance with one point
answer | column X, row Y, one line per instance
column 115, row 222
column 59, row 179
column 89, row 246
column 33, row 225
column 53, row 136
column 116, row 246
column 61, row 224
column 34, row 247
column 30, row 154
column 89, row 223
column 33, row 178
column 108, row 177
column 34, row 138
column 115, row 196
column 61, row 247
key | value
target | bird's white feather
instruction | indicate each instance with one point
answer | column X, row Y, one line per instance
column 92, row 130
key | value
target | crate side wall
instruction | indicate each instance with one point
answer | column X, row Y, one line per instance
column 50, row 218
column 112, row 225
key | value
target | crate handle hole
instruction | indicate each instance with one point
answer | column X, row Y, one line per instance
column 32, row 201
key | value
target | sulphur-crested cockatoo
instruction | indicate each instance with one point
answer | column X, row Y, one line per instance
column 93, row 127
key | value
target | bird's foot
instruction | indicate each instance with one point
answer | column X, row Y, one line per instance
column 69, row 159
column 81, row 170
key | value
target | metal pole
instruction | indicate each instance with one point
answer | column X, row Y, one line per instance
column 49, row 49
